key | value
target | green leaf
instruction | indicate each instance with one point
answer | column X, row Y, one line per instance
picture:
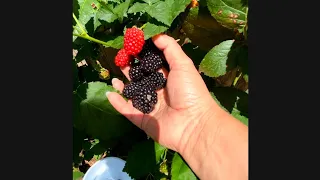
column 116, row 43
column 86, row 145
column 231, row 98
column 237, row 114
column 150, row 2
column 214, row 63
column 85, row 51
column 77, row 141
column 193, row 14
column 75, row 7
column 138, row 7
column 176, row 7
column 88, row 74
column 238, row 57
column 86, row 12
column 151, row 29
column 121, row 10
column 77, row 175
column 143, row 158
column 244, row 3
column 230, row 13
column 203, row 30
column 104, row 14
column 233, row 101
column 217, row 101
column 98, row 117
column 180, row 170
column 243, row 61
column 94, row 150
column 195, row 53
column 88, row 155
column 246, row 77
column 162, row 11
column 106, row 1
column 76, row 111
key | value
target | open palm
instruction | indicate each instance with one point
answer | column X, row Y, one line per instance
column 181, row 104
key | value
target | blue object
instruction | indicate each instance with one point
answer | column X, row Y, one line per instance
column 109, row 168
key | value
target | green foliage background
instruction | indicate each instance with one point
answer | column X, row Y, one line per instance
column 213, row 33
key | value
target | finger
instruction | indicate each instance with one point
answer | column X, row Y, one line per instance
column 172, row 51
column 117, row 84
column 125, row 108
column 125, row 71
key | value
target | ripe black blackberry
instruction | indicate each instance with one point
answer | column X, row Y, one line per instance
column 135, row 72
column 148, row 48
column 155, row 80
column 151, row 63
column 131, row 89
column 145, row 99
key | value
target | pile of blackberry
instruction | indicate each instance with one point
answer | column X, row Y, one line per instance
column 145, row 78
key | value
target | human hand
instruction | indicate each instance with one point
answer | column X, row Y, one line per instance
column 183, row 105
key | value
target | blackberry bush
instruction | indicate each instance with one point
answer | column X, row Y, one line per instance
column 213, row 36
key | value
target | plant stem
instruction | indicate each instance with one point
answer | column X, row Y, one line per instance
column 247, row 13
column 144, row 25
column 77, row 28
column 236, row 79
column 165, row 154
column 96, row 65
column 86, row 36
column 78, row 23
column 246, row 25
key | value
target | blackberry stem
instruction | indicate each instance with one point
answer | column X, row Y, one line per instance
column 143, row 26
column 78, row 23
column 85, row 35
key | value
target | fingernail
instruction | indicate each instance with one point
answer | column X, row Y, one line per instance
column 108, row 92
column 114, row 80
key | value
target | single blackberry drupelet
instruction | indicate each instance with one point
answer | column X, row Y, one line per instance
column 155, row 80
column 151, row 63
column 135, row 72
column 131, row 89
column 145, row 99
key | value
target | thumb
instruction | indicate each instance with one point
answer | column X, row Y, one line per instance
column 175, row 56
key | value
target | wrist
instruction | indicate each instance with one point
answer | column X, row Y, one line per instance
column 217, row 147
column 197, row 143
